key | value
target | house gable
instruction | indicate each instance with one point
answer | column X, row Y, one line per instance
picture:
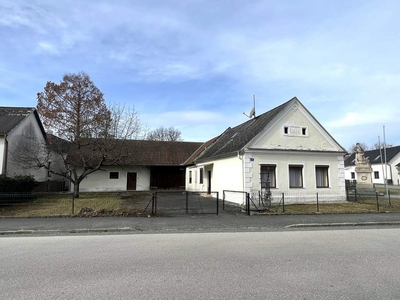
column 294, row 128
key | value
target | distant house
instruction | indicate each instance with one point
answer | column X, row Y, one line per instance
column 19, row 125
column 20, row 130
column 377, row 160
column 147, row 165
column 285, row 147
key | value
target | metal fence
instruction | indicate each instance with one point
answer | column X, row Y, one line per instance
column 185, row 202
column 289, row 202
column 135, row 203
column 380, row 201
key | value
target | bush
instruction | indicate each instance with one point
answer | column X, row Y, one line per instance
column 17, row 184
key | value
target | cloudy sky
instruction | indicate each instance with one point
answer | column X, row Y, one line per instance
column 196, row 64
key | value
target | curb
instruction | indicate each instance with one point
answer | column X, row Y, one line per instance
column 392, row 223
column 55, row 231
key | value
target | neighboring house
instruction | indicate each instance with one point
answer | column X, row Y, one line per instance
column 147, row 165
column 286, row 147
column 21, row 133
column 377, row 160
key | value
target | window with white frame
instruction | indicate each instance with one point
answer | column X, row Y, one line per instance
column 190, row 176
column 353, row 175
column 268, row 176
column 295, row 176
column 322, row 176
column 376, row 174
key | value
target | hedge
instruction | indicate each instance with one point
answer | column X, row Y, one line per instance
column 17, row 184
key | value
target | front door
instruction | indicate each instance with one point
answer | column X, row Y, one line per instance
column 131, row 181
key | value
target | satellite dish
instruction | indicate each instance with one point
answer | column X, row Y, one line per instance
column 252, row 113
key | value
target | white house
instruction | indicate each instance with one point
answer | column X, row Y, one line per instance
column 380, row 169
column 146, row 165
column 20, row 130
column 286, row 147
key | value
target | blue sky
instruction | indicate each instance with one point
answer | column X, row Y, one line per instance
column 196, row 64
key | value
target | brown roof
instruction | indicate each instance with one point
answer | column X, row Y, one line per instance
column 137, row 152
column 161, row 152
column 203, row 147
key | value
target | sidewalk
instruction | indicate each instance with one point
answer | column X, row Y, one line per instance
column 190, row 223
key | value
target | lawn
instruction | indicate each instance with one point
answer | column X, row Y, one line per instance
column 59, row 205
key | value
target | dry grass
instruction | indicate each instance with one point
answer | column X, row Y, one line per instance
column 392, row 191
column 364, row 205
column 56, row 205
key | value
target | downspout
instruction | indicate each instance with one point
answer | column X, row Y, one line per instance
column 240, row 156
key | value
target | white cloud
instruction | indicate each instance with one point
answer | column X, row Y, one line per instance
column 45, row 47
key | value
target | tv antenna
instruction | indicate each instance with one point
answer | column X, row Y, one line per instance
column 252, row 112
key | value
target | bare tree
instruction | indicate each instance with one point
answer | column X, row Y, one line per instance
column 381, row 145
column 91, row 134
column 165, row 134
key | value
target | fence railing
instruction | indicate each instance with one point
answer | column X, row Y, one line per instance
column 143, row 203
column 127, row 203
column 184, row 202
column 382, row 201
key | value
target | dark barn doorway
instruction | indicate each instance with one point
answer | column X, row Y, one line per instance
column 167, row 178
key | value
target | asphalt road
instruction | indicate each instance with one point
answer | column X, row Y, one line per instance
column 329, row 264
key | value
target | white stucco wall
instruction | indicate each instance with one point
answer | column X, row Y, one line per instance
column 2, row 153
column 295, row 120
column 226, row 174
column 27, row 131
column 100, row 180
column 308, row 161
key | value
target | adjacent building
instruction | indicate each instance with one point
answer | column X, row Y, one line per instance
column 382, row 167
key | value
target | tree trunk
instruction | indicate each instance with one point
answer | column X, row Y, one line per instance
column 76, row 190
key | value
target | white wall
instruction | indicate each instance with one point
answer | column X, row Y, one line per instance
column 309, row 161
column 295, row 119
column 226, row 174
column 2, row 153
column 100, row 180
column 28, row 131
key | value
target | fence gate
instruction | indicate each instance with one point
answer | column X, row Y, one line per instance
column 184, row 202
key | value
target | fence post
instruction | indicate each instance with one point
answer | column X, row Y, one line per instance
column 187, row 202
column 217, row 203
column 153, row 204
column 317, row 204
column 355, row 195
column 390, row 202
column 248, row 203
column 377, row 201
column 283, row 202
column 73, row 203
